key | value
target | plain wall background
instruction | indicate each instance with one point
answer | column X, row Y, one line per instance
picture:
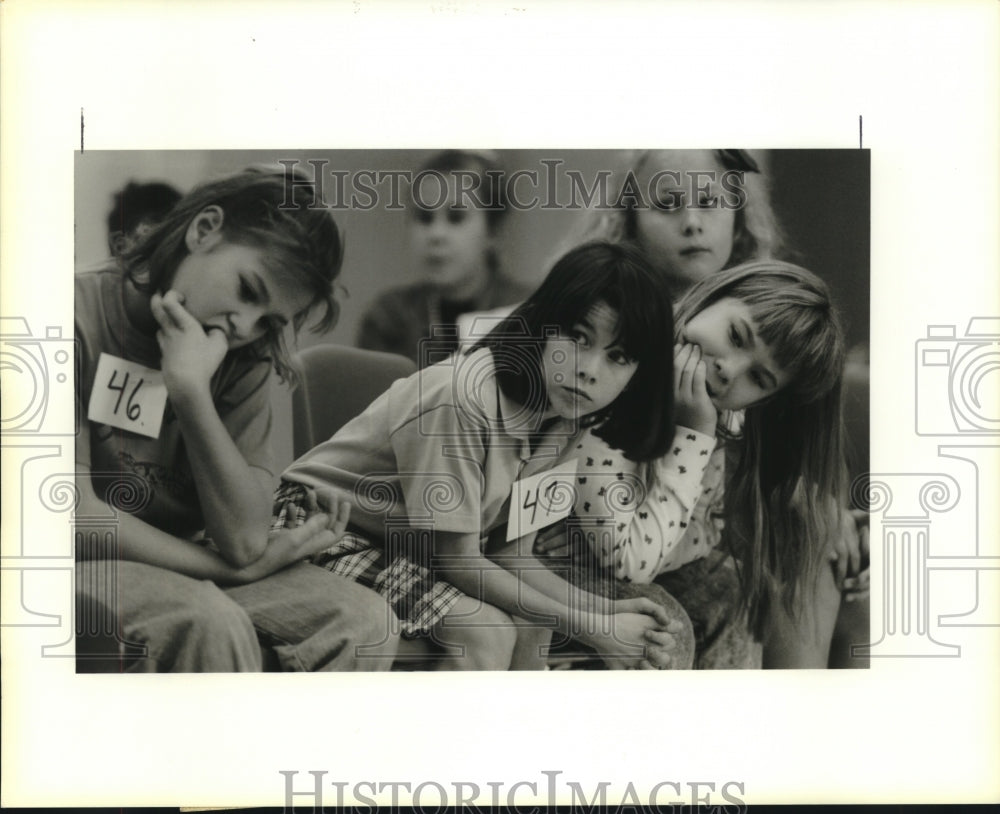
column 821, row 197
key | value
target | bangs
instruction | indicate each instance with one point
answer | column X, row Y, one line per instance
column 293, row 262
column 640, row 419
column 793, row 315
column 802, row 337
column 626, row 295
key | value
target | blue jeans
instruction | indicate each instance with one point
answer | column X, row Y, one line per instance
column 709, row 590
column 133, row 617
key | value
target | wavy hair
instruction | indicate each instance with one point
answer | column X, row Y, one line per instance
column 785, row 494
column 270, row 209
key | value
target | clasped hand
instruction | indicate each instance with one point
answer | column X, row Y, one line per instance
column 646, row 633
column 323, row 527
column 643, row 634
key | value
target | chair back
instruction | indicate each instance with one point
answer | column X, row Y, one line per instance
column 337, row 383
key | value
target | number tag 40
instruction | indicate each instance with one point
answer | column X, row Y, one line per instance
column 128, row 396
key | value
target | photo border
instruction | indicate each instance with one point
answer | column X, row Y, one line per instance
column 764, row 74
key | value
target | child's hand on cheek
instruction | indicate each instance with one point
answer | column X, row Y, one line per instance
column 692, row 406
column 190, row 354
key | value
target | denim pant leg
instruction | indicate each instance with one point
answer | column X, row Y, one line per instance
column 318, row 621
column 709, row 591
column 185, row 625
column 583, row 572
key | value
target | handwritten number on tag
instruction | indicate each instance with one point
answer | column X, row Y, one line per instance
column 128, row 396
column 531, row 499
column 533, row 504
column 132, row 409
column 548, row 496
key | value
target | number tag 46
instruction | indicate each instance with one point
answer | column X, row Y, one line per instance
column 128, row 396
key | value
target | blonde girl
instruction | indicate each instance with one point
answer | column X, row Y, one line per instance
column 693, row 212
column 195, row 310
column 759, row 357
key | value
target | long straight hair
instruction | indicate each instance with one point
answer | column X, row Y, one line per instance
column 784, row 497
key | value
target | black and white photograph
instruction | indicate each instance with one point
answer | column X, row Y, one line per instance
column 517, row 455
column 635, row 365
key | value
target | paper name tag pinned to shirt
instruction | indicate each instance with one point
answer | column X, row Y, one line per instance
column 128, row 396
column 541, row 500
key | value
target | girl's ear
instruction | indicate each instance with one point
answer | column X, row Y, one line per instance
column 205, row 230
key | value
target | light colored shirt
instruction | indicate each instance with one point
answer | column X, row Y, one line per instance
column 440, row 449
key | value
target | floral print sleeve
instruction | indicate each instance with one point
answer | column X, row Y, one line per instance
column 704, row 529
column 637, row 518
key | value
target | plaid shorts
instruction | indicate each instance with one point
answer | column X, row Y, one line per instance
column 417, row 597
